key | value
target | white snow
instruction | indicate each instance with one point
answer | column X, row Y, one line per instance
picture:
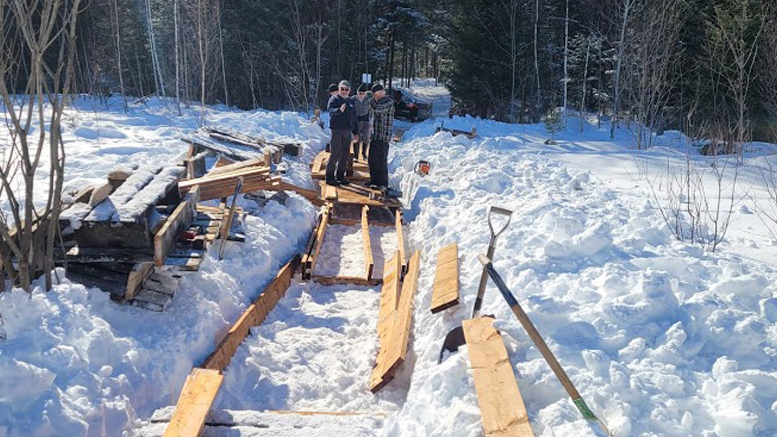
column 661, row 337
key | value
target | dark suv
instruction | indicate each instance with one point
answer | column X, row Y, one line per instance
column 408, row 107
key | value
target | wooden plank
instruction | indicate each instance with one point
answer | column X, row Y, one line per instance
column 184, row 264
column 136, row 277
column 400, row 240
column 320, row 232
column 164, row 240
column 100, row 193
column 389, row 296
column 446, row 279
column 311, row 195
column 225, row 178
column 352, row 280
column 254, row 315
column 108, row 254
column 227, row 168
column 351, row 215
column 404, row 315
column 360, row 195
column 197, row 396
column 501, row 405
column 369, row 263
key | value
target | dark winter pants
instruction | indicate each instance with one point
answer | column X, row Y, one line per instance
column 341, row 153
column 378, row 162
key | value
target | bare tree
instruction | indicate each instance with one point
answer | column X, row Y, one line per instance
column 657, row 33
column 734, row 31
column 117, row 37
column 626, row 8
column 35, row 114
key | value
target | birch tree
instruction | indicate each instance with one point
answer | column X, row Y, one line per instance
column 45, row 27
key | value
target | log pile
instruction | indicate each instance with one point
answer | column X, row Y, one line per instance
column 238, row 146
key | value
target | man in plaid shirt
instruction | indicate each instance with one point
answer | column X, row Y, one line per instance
column 382, row 108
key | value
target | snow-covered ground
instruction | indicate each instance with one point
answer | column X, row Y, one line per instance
column 661, row 337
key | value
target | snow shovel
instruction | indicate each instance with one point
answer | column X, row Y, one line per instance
column 227, row 221
column 455, row 338
column 540, row 344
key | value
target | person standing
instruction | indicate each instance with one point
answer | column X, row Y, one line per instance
column 362, row 104
column 342, row 122
column 382, row 109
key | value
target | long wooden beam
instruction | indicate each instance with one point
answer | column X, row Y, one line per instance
column 400, row 240
column 254, row 315
column 501, row 405
column 389, row 296
column 395, row 320
column 353, row 280
column 369, row 262
column 197, row 396
column 319, row 243
column 182, row 216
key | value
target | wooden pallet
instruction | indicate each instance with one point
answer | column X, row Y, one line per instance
column 501, row 405
column 445, row 293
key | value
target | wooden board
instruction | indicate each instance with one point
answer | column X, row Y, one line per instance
column 389, row 297
column 369, row 263
column 446, row 279
column 108, row 254
column 197, row 396
column 136, row 277
column 501, row 405
column 254, row 315
column 100, row 193
column 319, row 243
column 351, row 215
column 352, row 280
column 207, row 182
column 222, row 167
column 400, row 240
column 179, row 220
column 404, row 315
column 359, row 195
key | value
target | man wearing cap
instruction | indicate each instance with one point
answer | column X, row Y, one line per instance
column 362, row 104
column 342, row 122
column 382, row 109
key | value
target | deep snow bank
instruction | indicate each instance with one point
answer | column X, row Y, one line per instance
column 77, row 364
column 661, row 338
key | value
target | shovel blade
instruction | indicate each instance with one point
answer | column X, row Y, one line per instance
column 453, row 341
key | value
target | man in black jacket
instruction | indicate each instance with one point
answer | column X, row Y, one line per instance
column 342, row 122
column 382, row 109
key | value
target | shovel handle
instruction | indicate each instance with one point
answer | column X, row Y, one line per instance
column 490, row 255
column 527, row 324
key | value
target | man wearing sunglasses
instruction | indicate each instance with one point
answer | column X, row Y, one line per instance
column 342, row 122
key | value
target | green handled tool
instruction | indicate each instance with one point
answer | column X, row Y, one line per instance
column 540, row 344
